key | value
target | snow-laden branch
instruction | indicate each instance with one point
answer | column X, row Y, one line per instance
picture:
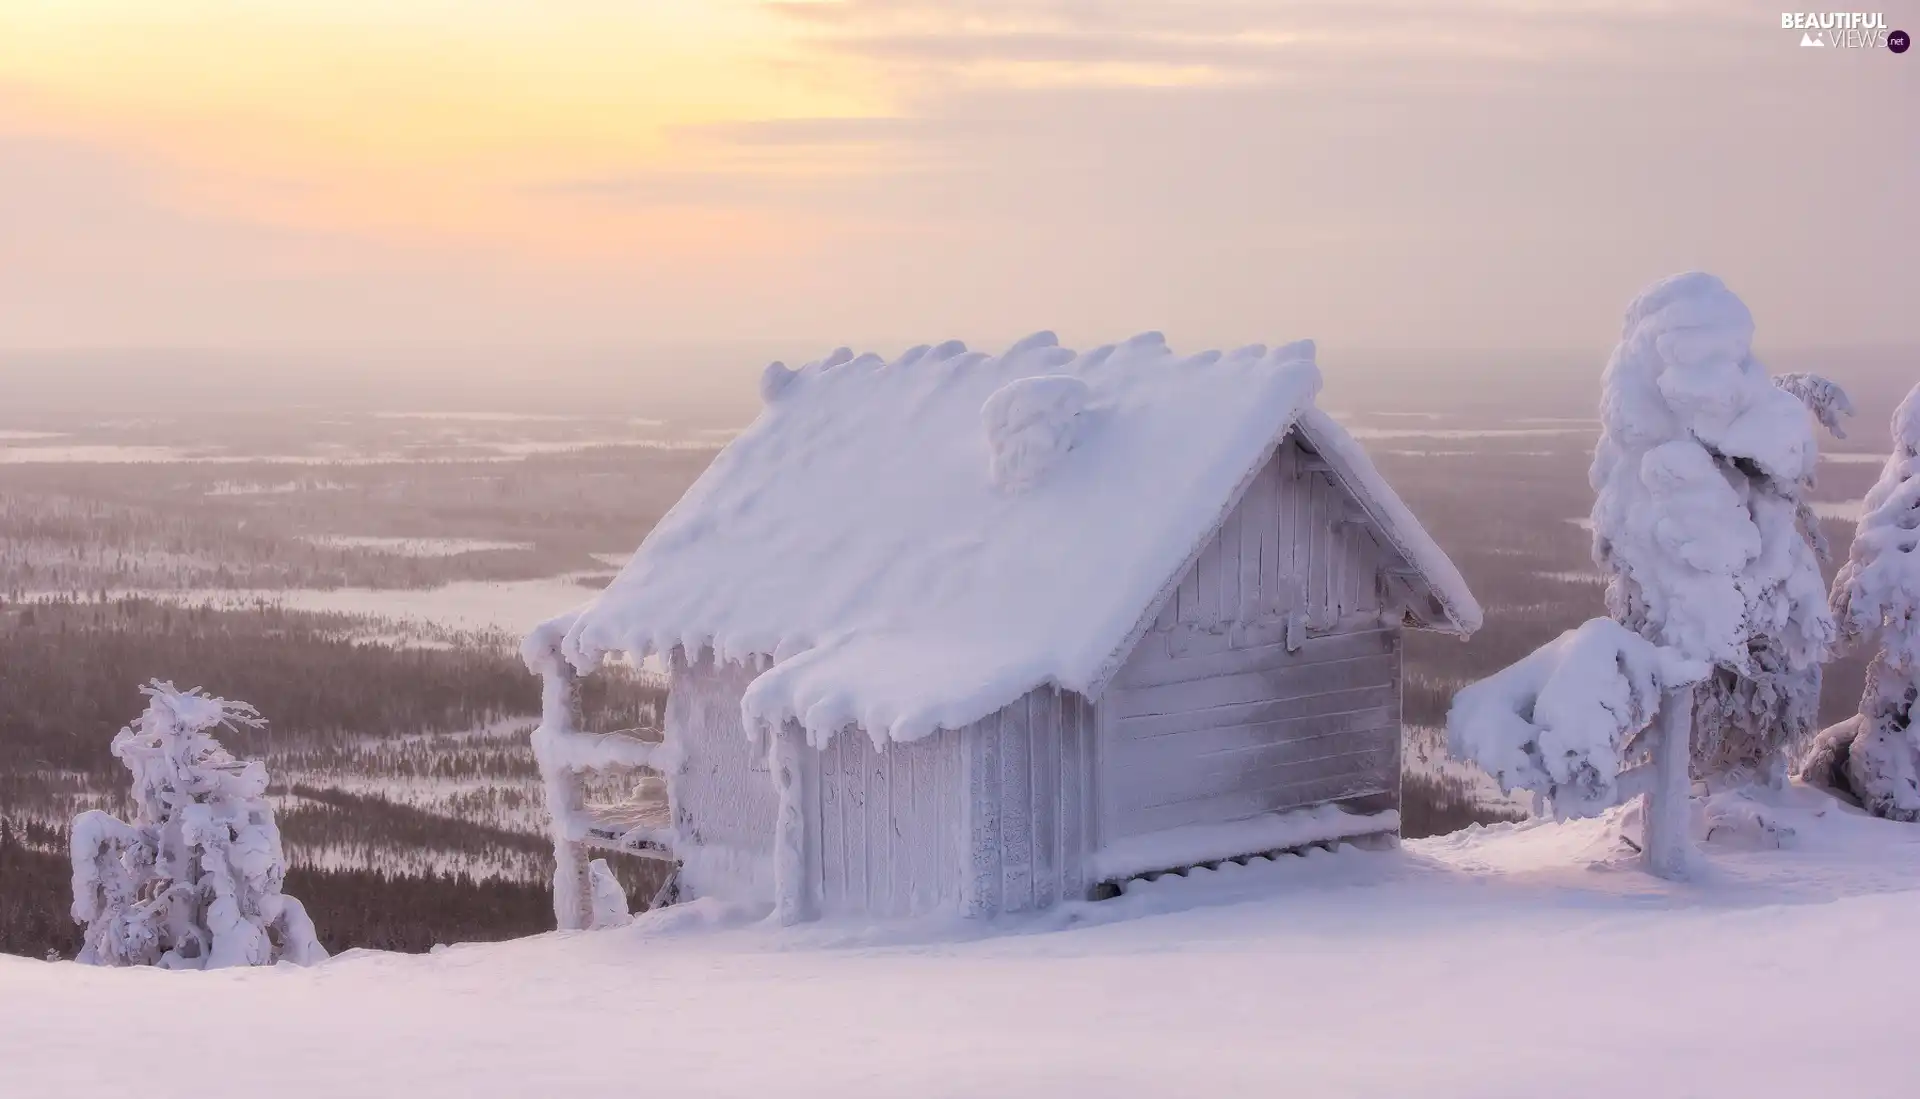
column 1564, row 721
column 1823, row 397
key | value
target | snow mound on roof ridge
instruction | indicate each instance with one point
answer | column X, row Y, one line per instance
column 1031, row 423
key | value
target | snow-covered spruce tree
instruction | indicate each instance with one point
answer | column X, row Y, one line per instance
column 1699, row 524
column 1876, row 599
column 1573, row 721
column 193, row 880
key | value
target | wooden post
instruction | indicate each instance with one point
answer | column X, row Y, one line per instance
column 572, row 891
column 560, row 717
column 1668, row 845
column 793, row 893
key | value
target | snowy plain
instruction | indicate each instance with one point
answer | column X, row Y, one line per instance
column 1518, row 960
column 510, row 606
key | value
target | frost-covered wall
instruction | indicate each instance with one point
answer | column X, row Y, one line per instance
column 889, row 824
column 1296, row 543
column 1027, row 781
column 987, row 819
column 1269, row 681
column 723, row 797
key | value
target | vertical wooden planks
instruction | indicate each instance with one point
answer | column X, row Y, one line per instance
column 1207, row 583
column 1188, row 599
column 1229, row 539
column 1300, row 527
column 1399, row 714
column 1339, row 601
column 924, row 871
column 1376, row 560
column 1255, row 516
column 833, row 827
column 900, row 819
column 983, row 877
column 1073, row 798
column 1045, row 711
column 949, row 779
column 1016, row 805
column 992, row 818
column 1276, row 532
column 1325, row 550
column 1349, row 546
column 879, row 825
column 817, row 854
column 853, row 775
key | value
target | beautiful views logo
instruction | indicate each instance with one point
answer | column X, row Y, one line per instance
column 1846, row 30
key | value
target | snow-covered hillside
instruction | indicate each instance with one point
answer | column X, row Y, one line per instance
column 1512, row 961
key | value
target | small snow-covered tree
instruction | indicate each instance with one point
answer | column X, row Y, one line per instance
column 1698, row 521
column 193, row 880
column 1574, row 722
column 1876, row 600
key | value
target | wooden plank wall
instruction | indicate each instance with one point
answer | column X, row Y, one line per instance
column 889, row 824
column 1028, row 771
column 1214, row 718
column 723, row 796
column 1295, row 543
column 985, row 819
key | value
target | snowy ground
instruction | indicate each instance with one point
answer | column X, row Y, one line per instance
column 1491, row 963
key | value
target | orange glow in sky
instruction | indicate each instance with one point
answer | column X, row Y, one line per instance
column 1473, row 173
column 423, row 119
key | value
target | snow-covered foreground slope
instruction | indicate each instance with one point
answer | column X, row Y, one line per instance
column 1489, row 963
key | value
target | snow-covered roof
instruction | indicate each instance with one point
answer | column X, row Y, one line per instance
column 914, row 544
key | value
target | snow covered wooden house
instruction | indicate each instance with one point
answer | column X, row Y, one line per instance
column 974, row 633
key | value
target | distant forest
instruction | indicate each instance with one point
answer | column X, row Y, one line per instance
column 353, row 709
column 70, row 673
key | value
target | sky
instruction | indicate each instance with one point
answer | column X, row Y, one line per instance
column 571, row 174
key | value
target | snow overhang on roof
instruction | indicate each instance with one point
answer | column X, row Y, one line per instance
column 914, row 544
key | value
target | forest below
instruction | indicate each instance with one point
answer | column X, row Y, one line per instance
column 405, row 792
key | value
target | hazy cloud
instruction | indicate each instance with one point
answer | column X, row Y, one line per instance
column 1375, row 173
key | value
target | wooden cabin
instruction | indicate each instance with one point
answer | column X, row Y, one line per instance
column 980, row 634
